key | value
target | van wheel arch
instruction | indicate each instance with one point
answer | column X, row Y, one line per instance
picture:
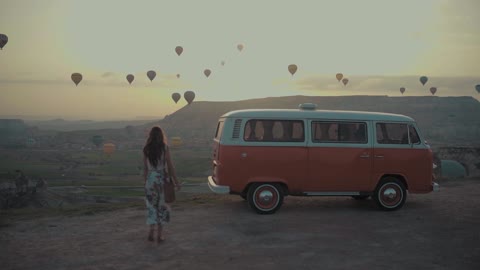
column 398, row 176
column 281, row 184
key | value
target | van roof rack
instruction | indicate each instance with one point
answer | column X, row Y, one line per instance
column 307, row 106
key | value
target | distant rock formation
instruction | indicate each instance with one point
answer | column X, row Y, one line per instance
column 22, row 191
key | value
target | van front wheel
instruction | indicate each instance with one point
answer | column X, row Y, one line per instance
column 265, row 198
column 390, row 194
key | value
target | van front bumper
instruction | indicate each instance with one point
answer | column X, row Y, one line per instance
column 217, row 188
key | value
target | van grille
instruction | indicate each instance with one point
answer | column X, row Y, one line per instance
column 236, row 128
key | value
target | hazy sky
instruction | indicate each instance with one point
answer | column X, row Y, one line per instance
column 380, row 45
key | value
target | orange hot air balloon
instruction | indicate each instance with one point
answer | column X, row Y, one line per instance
column 109, row 148
column 179, row 50
column 178, row 76
column 345, row 81
column 207, row 72
column 240, row 47
column 77, row 78
column 176, row 97
column 176, row 141
column 339, row 76
column 130, row 78
column 292, row 69
column 189, row 96
column 402, row 90
column 151, row 75
column 433, row 90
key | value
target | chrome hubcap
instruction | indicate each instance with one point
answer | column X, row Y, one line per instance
column 390, row 193
column 265, row 196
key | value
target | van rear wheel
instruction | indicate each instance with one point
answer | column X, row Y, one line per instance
column 390, row 194
column 265, row 198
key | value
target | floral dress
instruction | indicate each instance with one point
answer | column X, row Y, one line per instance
column 158, row 212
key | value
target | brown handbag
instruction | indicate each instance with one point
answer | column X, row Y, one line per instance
column 168, row 186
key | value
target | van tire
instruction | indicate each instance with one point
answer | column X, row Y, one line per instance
column 396, row 197
column 360, row 197
column 273, row 197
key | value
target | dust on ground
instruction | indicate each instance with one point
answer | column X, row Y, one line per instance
column 432, row 231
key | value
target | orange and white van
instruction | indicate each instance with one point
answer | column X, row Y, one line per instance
column 266, row 154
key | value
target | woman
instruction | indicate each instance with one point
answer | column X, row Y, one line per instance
column 157, row 162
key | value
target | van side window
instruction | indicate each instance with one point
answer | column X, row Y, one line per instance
column 392, row 133
column 344, row 132
column 414, row 138
column 274, row 131
column 218, row 132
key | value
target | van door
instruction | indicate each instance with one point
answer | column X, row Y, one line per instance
column 340, row 156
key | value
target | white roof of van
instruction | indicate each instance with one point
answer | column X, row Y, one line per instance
column 326, row 114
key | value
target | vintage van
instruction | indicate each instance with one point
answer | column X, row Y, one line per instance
column 266, row 154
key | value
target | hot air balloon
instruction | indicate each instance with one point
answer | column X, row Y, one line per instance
column 424, row 80
column 433, row 90
column 108, row 148
column 402, row 90
column 3, row 41
column 339, row 76
column 130, row 78
column 178, row 76
column 222, row 63
column 176, row 97
column 97, row 140
column 176, row 141
column 477, row 87
column 189, row 96
column 151, row 75
column 240, row 47
column 207, row 72
column 179, row 50
column 77, row 78
column 292, row 69
column 345, row 81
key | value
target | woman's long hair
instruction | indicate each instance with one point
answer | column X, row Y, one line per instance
column 153, row 149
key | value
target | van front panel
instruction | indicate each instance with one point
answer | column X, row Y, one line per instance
column 398, row 150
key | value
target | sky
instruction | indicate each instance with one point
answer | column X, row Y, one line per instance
column 379, row 45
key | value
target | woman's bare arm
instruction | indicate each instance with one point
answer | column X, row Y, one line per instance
column 145, row 169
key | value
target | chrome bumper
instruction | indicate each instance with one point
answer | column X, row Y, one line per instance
column 217, row 188
column 436, row 187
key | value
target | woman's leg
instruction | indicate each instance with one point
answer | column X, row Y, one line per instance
column 160, row 236
column 150, row 234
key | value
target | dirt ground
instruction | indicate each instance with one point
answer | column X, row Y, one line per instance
column 432, row 231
